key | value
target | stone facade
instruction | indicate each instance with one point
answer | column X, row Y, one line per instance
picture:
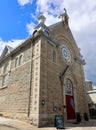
column 36, row 89
column 14, row 95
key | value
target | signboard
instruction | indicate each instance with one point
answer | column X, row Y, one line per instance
column 59, row 122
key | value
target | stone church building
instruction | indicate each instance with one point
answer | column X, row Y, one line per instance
column 43, row 76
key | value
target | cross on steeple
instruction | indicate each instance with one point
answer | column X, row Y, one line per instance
column 41, row 18
column 41, row 27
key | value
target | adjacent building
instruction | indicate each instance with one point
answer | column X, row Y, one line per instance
column 91, row 99
column 43, row 76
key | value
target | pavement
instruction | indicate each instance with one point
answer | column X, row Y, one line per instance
column 14, row 124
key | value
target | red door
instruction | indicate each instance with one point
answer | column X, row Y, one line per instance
column 70, row 107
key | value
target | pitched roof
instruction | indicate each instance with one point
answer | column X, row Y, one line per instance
column 7, row 50
column 42, row 29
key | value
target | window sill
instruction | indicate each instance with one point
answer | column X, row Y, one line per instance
column 3, row 87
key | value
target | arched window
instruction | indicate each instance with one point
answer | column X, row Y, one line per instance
column 68, row 86
column 5, row 77
column 6, row 69
column 20, row 60
column 16, row 62
column 54, row 56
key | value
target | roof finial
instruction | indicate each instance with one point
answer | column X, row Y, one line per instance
column 65, row 10
column 41, row 18
column 64, row 16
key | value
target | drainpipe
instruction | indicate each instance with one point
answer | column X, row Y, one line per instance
column 62, row 97
column 30, row 82
column 61, row 79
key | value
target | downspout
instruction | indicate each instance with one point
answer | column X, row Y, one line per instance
column 30, row 82
column 61, row 79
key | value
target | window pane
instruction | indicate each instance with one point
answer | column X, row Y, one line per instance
column 16, row 62
column 54, row 56
column 20, row 60
column 5, row 80
column 6, row 69
column 68, row 86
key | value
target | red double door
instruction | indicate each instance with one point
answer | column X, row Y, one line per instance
column 70, row 107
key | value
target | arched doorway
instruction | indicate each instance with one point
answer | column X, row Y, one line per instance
column 70, row 105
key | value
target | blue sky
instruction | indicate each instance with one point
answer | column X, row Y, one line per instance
column 13, row 19
column 19, row 17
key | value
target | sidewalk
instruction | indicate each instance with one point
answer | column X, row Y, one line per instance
column 21, row 125
column 85, row 125
column 16, row 124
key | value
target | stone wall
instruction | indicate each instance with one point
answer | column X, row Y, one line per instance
column 14, row 97
column 34, row 88
column 50, row 84
column 64, row 36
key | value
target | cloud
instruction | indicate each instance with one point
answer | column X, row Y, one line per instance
column 51, row 6
column 24, row 2
column 12, row 43
column 82, row 21
column 86, row 39
column 30, row 27
column 82, row 18
column 77, row 10
column 51, row 9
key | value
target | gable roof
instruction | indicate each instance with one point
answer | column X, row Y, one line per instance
column 55, row 24
column 41, row 30
column 10, row 51
column 7, row 50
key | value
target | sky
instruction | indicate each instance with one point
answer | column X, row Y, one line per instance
column 19, row 17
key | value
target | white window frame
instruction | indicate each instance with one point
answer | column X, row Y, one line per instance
column 16, row 62
column 20, row 60
column 5, row 75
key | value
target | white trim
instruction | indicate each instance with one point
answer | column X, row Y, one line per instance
column 18, row 57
